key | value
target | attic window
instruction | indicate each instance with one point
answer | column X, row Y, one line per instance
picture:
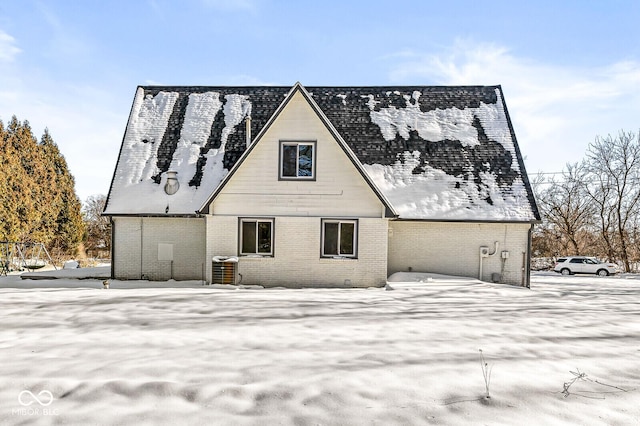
column 297, row 160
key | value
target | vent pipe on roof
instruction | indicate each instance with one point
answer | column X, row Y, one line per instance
column 172, row 185
column 248, row 129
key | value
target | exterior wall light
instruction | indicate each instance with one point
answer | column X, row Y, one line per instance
column 172, row 185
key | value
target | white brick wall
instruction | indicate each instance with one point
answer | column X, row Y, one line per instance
column 296, row 261
column 453, row 248
column 136, row 248
column 446, row 248
column 338, row 191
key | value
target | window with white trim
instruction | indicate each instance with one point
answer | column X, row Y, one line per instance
column 339, row 238
column 297, row 160
column 256, row 236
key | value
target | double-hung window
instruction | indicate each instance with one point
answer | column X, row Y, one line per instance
column 256, row 236
column 339, row 238
column 297, row 160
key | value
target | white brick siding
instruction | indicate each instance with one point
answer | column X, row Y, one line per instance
column 136, row 242
column 296, row 261
column 453, row 248
column 298, row 207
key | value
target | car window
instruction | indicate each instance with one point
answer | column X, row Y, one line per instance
column 592, row 262
column 577, row 261
column 562, row 259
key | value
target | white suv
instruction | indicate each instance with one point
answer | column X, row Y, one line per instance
column 584, row 265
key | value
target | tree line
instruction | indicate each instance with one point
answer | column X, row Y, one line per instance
column 593, row 207
column 38, row 202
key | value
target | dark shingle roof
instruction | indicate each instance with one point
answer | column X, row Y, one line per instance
column 460, row 132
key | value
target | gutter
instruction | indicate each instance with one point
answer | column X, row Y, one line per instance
column 185, row 215
column 496, row 221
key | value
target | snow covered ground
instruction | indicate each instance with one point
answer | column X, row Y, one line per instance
column 74, row 353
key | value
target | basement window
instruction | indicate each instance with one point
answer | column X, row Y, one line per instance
column 256, row 237
column 297, row 160
column 339, row 238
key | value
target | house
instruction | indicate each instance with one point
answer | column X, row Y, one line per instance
column 320, row 186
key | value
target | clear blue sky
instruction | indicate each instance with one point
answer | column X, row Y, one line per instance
column 570, row 70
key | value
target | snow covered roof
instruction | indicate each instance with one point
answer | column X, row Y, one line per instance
column 435, row 152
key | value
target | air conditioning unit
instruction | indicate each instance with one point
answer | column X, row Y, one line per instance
column 224, row 270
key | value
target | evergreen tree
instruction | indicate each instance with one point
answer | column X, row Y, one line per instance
column 68, row 228
column 37, row 192
column 19, row 150
column 9, row 187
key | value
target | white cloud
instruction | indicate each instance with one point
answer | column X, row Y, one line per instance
column 556, row 110
column 8, row 48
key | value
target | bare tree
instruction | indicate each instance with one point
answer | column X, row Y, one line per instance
column 598, row 188
column 567, row 212
column 614, row 168
column 98, row 238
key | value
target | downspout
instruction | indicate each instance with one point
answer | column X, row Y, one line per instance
column 141, row 244
column 526, row 274
column 113, row 248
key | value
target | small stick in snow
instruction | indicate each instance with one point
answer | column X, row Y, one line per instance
column 579, row 376
column 486, row 373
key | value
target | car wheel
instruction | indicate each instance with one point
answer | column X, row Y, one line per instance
column 602, row 272
column 565, row 271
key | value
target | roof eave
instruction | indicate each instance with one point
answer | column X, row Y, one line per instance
column 523, row 171
column 182, row 215
column 126, row 129
column 390, row 212
column 507, row 221
column 204, row 208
